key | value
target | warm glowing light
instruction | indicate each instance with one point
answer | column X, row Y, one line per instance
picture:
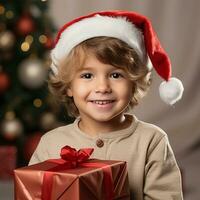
column 9, row 14
column 25, row 46
column 2, row 10
column 43, row 39
column 37, row 103
column 29, row 39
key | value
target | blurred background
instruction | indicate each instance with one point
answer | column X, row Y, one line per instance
column 27, row 110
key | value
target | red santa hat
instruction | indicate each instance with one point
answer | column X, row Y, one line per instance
column 134, row 29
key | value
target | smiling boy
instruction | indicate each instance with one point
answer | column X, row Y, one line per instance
column 100, row 74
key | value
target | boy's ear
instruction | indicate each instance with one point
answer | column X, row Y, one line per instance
column 69, row 92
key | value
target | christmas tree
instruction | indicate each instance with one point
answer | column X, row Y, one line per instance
column 26, row 108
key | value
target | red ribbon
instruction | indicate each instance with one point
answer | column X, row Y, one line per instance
column 71, row 158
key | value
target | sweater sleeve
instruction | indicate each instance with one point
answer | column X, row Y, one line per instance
column 162, row 175
column 40, row 153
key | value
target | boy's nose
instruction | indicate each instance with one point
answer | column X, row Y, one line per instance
column 103, row 86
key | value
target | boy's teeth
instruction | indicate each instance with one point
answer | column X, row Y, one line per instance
column 102, row 102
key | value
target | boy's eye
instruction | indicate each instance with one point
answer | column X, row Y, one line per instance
column 116, row 75
column 86, row 75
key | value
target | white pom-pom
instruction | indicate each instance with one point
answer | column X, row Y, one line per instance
column 171, row 91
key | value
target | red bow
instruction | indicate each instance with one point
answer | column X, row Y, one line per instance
column 70, row 154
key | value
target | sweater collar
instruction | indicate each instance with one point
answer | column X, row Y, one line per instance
column 110, row 135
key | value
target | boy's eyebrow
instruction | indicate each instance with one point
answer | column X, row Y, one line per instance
column 85, row 69
column 91, row 68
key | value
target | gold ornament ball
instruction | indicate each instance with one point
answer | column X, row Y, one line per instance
column 48, row 121
column 7, row 40
column 11, row 128
column 32, row 73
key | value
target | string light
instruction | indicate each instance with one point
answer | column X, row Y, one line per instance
column 9, row 14
column 29, row 39
column 43, row 39
column 25, row 46
column 2, row 10
column 37, row 103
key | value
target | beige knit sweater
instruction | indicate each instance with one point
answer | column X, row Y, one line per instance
column 152, row 168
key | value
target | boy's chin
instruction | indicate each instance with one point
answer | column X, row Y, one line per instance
column 107, row 118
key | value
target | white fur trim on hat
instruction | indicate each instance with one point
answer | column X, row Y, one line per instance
column 116, row 27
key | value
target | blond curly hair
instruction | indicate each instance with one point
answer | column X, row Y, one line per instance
column 108, row 51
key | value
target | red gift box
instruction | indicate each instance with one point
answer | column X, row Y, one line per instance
column 74, row 179
column 8, row 161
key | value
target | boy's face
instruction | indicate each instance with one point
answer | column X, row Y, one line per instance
column 100, row 91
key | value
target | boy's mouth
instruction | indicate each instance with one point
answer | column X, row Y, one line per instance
column 102, row 102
